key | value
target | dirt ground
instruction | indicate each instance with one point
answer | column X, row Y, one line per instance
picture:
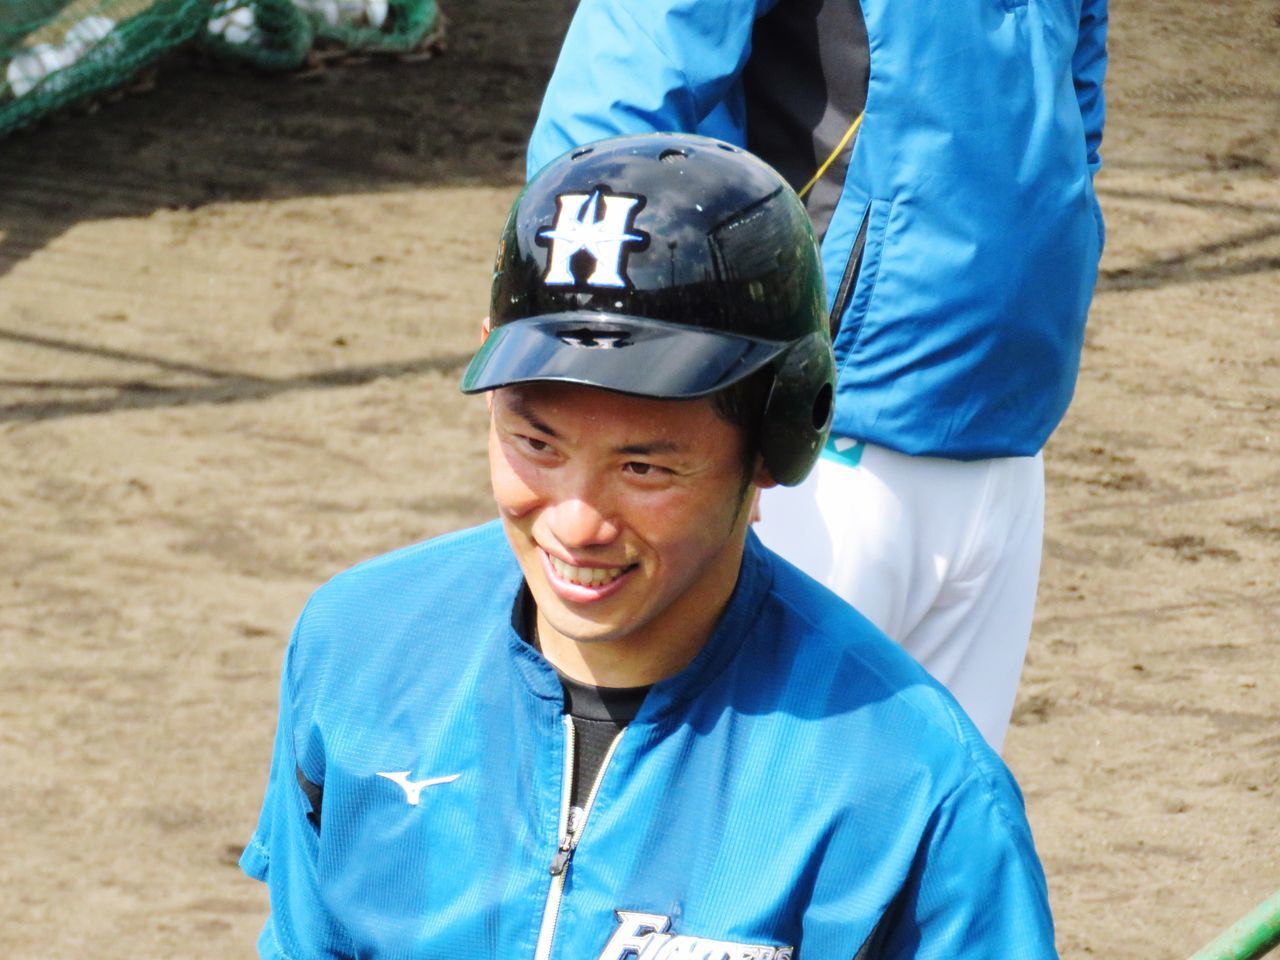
column 233, row 313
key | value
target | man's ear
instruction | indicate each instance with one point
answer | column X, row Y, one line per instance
column 760, row 480
column 761, row 476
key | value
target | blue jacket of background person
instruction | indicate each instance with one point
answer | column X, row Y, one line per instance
column 946, row 153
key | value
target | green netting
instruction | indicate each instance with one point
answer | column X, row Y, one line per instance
column 276, row 34
column 386, row 25
column 56, row 52
column 269, row 34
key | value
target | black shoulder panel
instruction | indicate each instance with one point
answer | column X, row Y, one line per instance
column 806, row 83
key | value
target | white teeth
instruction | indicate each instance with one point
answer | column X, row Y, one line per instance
column 585, row 576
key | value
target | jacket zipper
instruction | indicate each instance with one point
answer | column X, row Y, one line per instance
column 571, row 828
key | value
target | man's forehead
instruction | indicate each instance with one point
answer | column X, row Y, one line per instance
column 556, row 406
column 557, row 395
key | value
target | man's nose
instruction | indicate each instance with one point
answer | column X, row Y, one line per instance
column 581, row 522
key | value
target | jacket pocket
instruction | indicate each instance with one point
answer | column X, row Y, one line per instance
column 858, row 283
column 1099, row 220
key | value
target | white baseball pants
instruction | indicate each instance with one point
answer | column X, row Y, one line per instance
column 942, row 555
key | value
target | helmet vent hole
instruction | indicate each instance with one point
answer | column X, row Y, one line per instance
column 672, row 153
column 822, row 407
column 727, row 148
column 579, row 154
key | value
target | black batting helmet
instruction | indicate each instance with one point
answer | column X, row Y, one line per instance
column 668, row 266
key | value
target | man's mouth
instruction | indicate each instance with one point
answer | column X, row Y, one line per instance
column 585, row 576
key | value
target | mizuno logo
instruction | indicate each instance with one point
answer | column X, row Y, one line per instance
column 413, row 788
column 643, row 936
column 598, row 224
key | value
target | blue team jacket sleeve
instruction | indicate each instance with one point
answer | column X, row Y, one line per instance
column 637, row 66
column 284, row 849
column 1089, row 67
column 976, row 889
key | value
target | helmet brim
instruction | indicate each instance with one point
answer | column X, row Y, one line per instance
column 633, row 355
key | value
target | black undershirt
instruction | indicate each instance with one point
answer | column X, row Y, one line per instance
column 599, row 714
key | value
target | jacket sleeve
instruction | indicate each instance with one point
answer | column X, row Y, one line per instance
column 976, row 890
column 284, row 850
column 641, row 66
column 1089, row 67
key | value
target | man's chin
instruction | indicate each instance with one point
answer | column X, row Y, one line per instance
column 581, row 630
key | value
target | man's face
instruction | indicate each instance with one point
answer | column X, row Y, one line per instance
column 627, row 514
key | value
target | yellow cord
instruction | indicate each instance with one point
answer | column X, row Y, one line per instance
column 848, row 135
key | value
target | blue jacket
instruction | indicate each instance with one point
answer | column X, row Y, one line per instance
column 961, row 234
column 802, row 789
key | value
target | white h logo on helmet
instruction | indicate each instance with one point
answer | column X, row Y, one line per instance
column 598, row 224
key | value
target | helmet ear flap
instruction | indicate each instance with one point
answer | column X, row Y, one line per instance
column 797, row 415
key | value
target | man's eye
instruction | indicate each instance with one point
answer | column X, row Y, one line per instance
column 641, row 469
column 536, row 445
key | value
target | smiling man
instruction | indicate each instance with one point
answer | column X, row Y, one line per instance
column 612, row 725
column 627, row 516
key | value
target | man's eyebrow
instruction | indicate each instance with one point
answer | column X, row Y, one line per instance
column 651, row 449
column 522, row 409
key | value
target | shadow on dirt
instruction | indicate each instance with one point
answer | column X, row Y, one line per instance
column 105, row 395
column 1187, row 266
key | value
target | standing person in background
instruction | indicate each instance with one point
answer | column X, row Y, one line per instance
column 946, row 155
